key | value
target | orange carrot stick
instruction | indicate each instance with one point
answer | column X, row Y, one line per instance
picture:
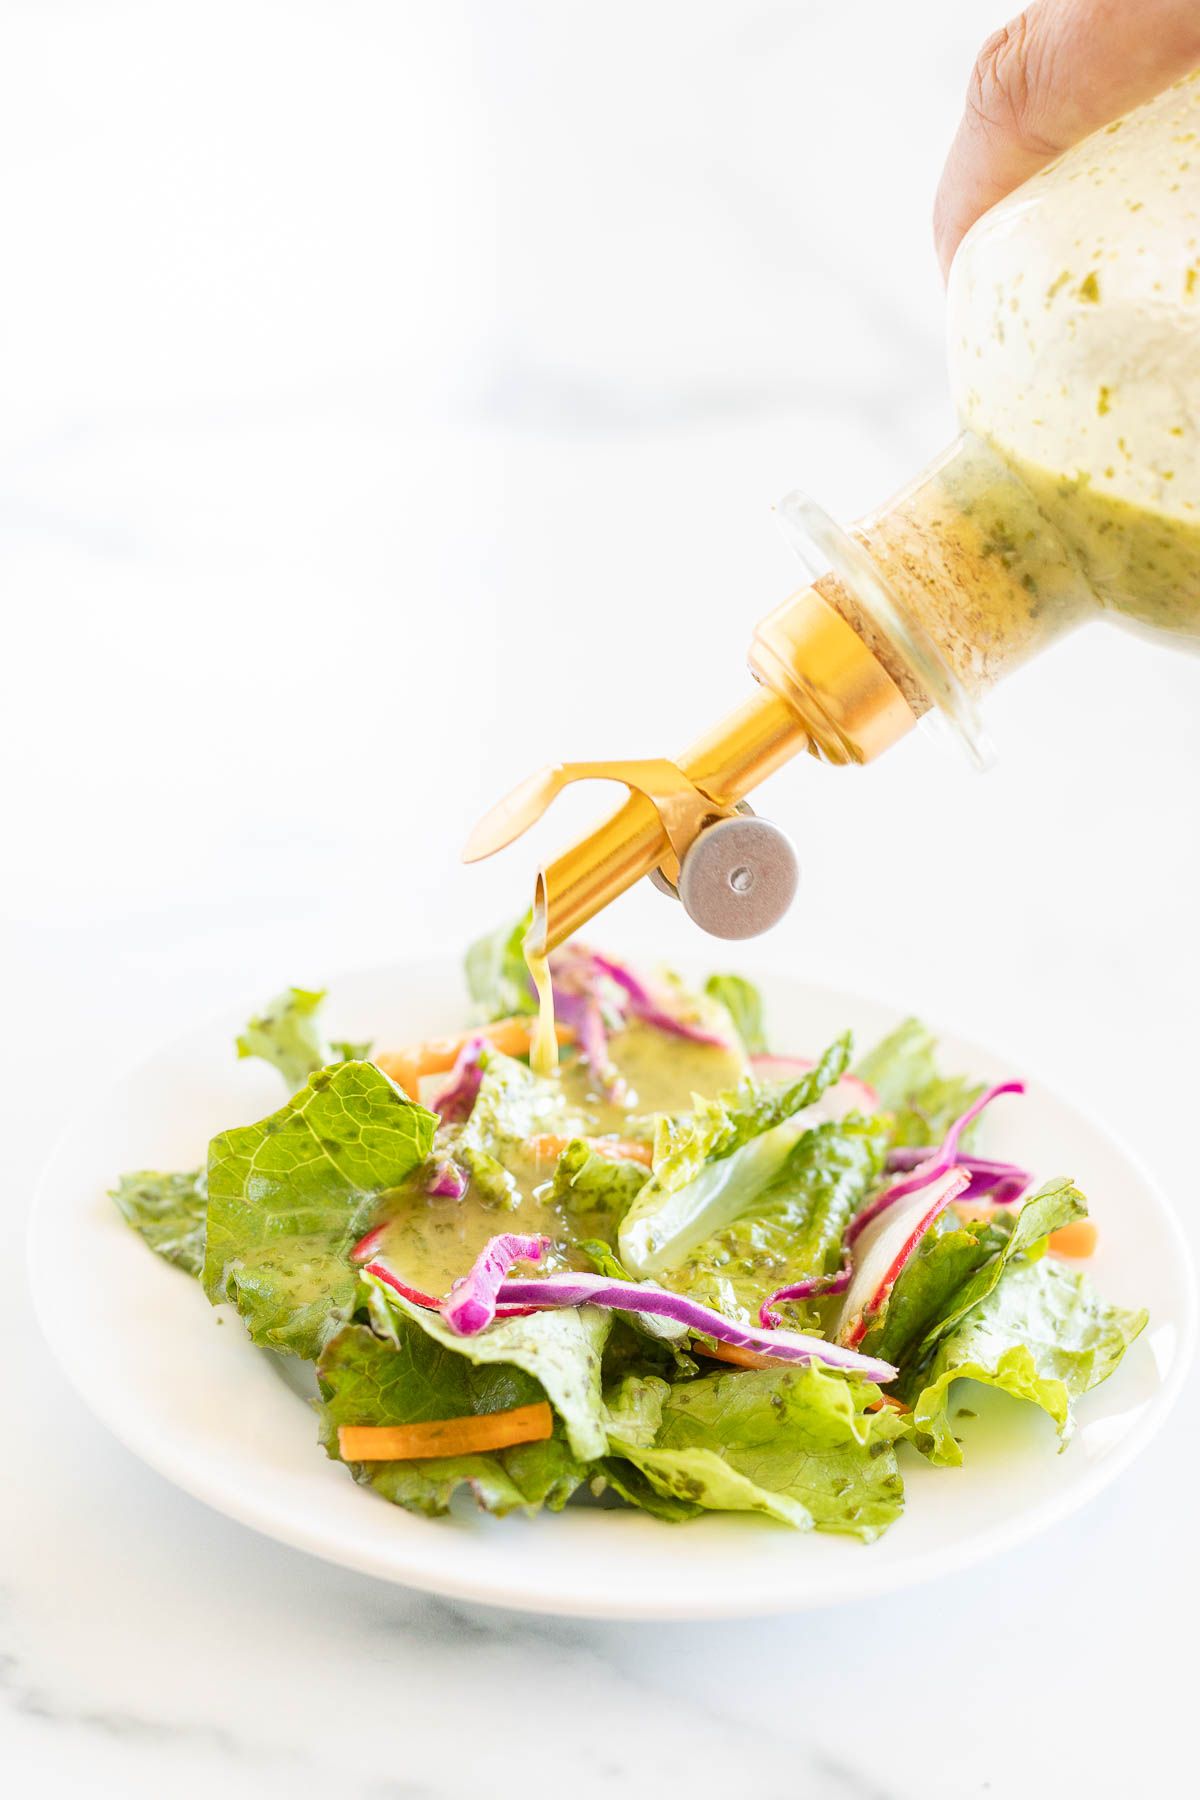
column 446, row 1437
column 547, row 1147
column 438, row 1055
column 743, row 1359
column 1079, row 1238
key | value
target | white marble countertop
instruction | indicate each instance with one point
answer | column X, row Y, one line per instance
column 358, row 364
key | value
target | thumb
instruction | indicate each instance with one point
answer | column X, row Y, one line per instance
column 1060, row 70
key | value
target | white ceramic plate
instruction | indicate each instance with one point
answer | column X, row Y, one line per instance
column 182, row 1386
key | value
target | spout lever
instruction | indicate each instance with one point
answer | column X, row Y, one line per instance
column 683, row 807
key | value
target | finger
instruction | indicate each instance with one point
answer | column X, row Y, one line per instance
column 1060, row 70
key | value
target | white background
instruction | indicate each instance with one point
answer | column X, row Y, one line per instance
column 393, row 397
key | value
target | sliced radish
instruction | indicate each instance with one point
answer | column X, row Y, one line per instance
column 934, row 1166
column 418, row 1296
column 845, row 1096
column 885, row 1248
column 366, row 1246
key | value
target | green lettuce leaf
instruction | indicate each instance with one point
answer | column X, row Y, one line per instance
column 793, row 1228
column 634, row 1408
column 711, row 1163
column 904, row 1073
column 743, row 1002
column 1042, row 1334
column 168, row 1211
column 288, row 1034
column 795, row 1444
column 635, row 1489
column 956, row 1267
column 289, row 1197
column 406, row 1376
column 561, row 1350
column 585, row 1183
column 513, row 1105
column 497, row 978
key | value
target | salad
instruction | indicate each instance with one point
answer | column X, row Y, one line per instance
column 688, row 1272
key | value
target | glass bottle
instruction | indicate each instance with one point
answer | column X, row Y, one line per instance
column 1072, row 493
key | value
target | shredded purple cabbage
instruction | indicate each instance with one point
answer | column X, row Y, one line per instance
column 644, row 1006
column 1002, row 1182
column 474, row 1300
column 579, row 1007
column 448, row 1181
column 456, row 1099
column 815, row 1287
column 470, row 1305
column 937, row 1163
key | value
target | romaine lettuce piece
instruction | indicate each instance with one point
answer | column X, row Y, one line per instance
column 712, row 1163
column 904, row 1073
column 288, row 1034
column 587, row 1183
column 1042, row 1334
column 169, row 1212
column 513, row 1105
column 793, row 1228
column 796, row 1444
column 288, row 1198
column 405, row 1376
column 628, row 1482
column 743, row 1002
column 957, row 1266
column 561, row 1350
column 497, row 977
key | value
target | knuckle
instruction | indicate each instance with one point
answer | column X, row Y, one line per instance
column 1006, row 86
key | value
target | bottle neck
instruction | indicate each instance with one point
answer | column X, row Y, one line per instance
column 922, row 605
column 972, row 566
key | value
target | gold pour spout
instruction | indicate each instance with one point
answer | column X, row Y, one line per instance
column 822, row 690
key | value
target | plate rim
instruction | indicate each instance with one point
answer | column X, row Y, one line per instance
column 246, row 1509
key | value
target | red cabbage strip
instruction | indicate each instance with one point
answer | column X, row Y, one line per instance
column 576, row 972
column 644, row 1006
column 815, row 1287
column 473, row 1302
column 939, row 1162
column 629, row 1296
column 447, row 1181
column 582, row 1011
column 1003, row 1182
column 456, row 1099
column 470, row 1305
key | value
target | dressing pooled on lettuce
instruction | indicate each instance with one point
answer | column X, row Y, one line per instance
column 686, row 1273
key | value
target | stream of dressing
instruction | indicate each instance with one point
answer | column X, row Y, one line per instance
column 543, row 1050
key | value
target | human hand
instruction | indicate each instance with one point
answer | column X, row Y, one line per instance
column 1060, row 70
